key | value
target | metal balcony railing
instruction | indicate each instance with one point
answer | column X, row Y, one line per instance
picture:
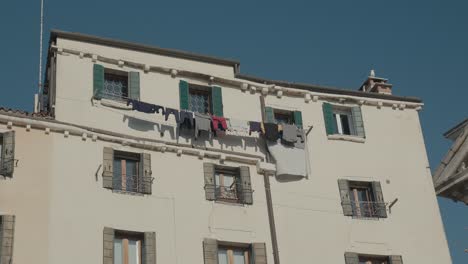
column 226, row 193
column 128, row 183
column 367, row 209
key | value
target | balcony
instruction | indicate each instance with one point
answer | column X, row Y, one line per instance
column 128, row 183
column 364, row 209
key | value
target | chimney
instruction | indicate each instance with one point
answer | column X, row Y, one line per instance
column 376, row 85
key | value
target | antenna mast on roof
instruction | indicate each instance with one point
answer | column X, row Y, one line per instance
column 36, row 99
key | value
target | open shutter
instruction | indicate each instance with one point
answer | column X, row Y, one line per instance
column 98, row 81
column 298, row 119
column 351, row 258
column 269, row 115
column 358, row 122
column 108, row 246
column 396, row 260
column 378, row 195
column 245, row 185
column 134, row 85
column 217, row 99
column 108, row 168
column 7, row 231
column 209, row 171
column 343, row 185
column 210, row 251
column 7, row 161
column 149, row 250
column 184, row 95
column 146, row 173
column 259, row 253
column 330, row 123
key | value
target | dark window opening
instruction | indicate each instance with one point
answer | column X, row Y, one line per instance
column 226, row 184
column 362, row 199
column 373, row 260
column 127, row 176
column 200, row 100
column 115, row 85
column 284, row 117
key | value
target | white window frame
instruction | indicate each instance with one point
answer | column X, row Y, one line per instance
column 337, row 112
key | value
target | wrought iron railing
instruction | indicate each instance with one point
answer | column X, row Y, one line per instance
column 113, row 95
column 367, row 209
column 226, row 193
column 128, row 183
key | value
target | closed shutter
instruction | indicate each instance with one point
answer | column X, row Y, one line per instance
column 210, row 251
column 330, row 124
column 98, row 81
column 379, row 199
column 7, row 231
column 246, row 186
column 108, row 246
column 184, row 95
column 108, row 168
column 396, row 260
column 7, row 162
column 351, row 258
column 134, row 85
column 217, row 100
column 358, row 122
column 343, row 186
column 209, row 171
column 259, row 253
column 269, row 115
column 298, row 119
column 146, row 173
column 149, row 250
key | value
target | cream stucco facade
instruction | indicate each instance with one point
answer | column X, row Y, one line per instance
column 57, row 197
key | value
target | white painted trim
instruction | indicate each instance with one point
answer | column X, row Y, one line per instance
column 347, row 138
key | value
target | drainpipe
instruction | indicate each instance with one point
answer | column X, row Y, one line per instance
column 266, row 179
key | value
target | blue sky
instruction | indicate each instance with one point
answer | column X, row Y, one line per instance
column 421, row 46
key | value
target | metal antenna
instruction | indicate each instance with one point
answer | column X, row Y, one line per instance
column 40, row 47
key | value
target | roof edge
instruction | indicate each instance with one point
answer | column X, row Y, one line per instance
column 456, row 128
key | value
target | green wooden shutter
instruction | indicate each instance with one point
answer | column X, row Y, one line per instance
column 146, row 173
column 7, row 162
column 210, row 251
column 396, row 260
column 184, row 95
column 298, row 119
column 209, row 171
column 269, row 115
column 108, row 245
column 259, row 253
column 358, row 122
column 149, row 250
column 134, row 85
column 379, row 199
column 245, row 185
column 217, row 100
column 107, row 168
column 343, row 186
column 7, row 231
column 351, row 258
column 98, row 81
column 330, row 123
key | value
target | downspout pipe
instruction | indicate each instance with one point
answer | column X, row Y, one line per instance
column 269, row 200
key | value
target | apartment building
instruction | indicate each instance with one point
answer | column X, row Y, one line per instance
column 451, row 177
column 138, row 154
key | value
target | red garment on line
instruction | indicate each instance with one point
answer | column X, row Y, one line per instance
column 216, row 120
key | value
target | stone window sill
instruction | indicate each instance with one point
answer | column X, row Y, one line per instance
column 115, row 104
column 347, row 138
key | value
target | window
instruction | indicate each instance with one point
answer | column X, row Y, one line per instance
column 362, row 199
column 127, row 176
column 200, row 99
column 343, row 120
column 7, row 153
column 279, row 116
column 284, row 117
column 128, row 248
column 233, row 255
column 373, row 260
column 115, row 85
column 226, row 181
column 1, row 149
column 354, row 258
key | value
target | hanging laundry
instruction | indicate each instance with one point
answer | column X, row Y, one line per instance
column 175, row 112
column 255, row 127
column 142, row 106
column 202, row 123
column 291, row 162
column 238, row 126
column 219, row 123
column 271, row 131
column 159, row 107
column 300, row 139
column 186, row 119
column 290, row 133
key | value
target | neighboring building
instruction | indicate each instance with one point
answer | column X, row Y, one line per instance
column 451, row 177
column 89, row 180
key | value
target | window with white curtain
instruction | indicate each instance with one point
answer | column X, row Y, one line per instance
column 127, row 249
column 233, row 255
